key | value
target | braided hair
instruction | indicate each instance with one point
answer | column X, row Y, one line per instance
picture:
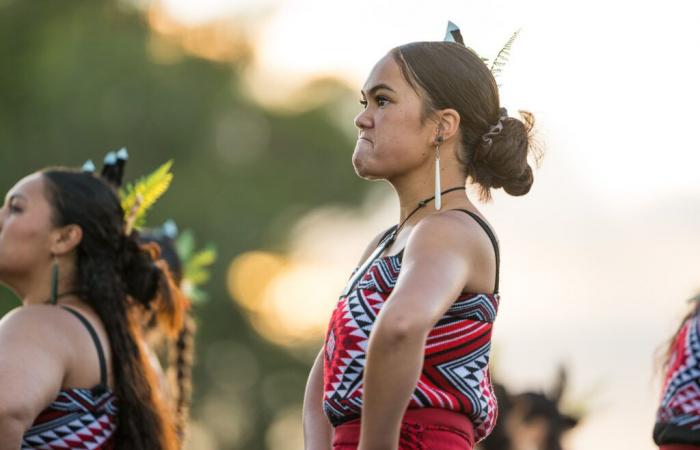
column 179, row 343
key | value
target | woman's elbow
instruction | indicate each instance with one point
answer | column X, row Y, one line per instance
column 398, row 329
column 13, row 424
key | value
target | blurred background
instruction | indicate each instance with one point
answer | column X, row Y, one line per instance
column 254, row 101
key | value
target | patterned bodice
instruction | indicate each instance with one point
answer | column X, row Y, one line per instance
column 78, row 419
column 678, row 416
column 455, row 373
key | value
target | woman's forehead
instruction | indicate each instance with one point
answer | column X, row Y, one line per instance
column 385, row 73
column 29, row 186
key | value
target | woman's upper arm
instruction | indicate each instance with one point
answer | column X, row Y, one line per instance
column 32, row 363
column 436, row 265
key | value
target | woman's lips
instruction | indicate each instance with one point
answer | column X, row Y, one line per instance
column 363, row 138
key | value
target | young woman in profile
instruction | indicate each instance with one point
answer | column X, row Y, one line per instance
column 678, row 417
column 405, row 360
column 73, row 373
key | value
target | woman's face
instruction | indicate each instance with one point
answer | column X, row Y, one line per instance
column 25, row 229
column 393, row 140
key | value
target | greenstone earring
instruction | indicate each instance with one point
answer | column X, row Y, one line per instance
column 54, row 282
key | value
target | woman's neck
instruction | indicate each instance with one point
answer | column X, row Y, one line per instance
column 36, row 290
column 416, row 187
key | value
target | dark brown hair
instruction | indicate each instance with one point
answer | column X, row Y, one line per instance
column 449, row 75
column 115, row 275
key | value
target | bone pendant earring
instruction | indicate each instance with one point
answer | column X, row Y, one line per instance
column 438, row 189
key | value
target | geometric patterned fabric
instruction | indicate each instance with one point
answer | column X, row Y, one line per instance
column 455, row 374
column 678, row 416
column 78, row 419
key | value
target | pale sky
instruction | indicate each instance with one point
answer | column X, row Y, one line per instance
column 599, row 257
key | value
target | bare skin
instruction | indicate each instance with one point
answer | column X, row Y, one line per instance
column 43, row 348
column 445, row 252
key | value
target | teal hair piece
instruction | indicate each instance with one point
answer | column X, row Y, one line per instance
column 169, row 229
column 111, row 158
column 452, row 34
column 88, row 166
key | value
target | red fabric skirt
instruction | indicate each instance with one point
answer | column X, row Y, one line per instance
column 679, row 447
column 421, row 429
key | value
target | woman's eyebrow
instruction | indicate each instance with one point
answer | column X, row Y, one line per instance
column 378, row 87
column 14, row 196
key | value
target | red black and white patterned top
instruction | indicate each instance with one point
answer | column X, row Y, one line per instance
column 455, row 374
column 678, row 416
column 79, row 419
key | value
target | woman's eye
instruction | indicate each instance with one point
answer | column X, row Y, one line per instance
column 382, row 101
column 363, row 103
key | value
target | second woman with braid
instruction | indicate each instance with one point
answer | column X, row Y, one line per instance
column 73, row 370
column 405, row 361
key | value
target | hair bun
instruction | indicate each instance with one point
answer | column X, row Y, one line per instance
column 501, row 161
column 149, row 281
column 140, row 274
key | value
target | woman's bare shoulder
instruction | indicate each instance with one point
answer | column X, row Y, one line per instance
column 454, row 230
column 40, row 324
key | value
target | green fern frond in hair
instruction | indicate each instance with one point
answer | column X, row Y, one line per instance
column 138, row 197
column 501, row 58
column 185, row 245
column 205, row 257
column 195, row 265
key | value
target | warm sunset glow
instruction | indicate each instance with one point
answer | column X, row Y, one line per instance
column 287, row 300
column 219, row 40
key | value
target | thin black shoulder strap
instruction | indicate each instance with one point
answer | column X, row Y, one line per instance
column 494, row 241
column 96, row 340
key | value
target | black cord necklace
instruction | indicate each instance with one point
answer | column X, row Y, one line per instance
column 64, row 294
column 422, row 204
column 388, row 240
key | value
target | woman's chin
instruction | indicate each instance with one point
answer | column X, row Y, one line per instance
column 362, row 169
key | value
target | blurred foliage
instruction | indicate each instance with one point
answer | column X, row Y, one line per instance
column 79, row 79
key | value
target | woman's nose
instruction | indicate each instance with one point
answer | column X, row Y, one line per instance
column 363, row 120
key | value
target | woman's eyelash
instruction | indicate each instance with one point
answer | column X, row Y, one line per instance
column 380, row 100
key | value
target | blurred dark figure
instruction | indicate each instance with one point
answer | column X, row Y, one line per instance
column 530, row 420
column 177, row 349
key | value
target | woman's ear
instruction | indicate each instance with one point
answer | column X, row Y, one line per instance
column 66, row 239
column 447, row 125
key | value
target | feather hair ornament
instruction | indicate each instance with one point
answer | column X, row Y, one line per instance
column 453, row 34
